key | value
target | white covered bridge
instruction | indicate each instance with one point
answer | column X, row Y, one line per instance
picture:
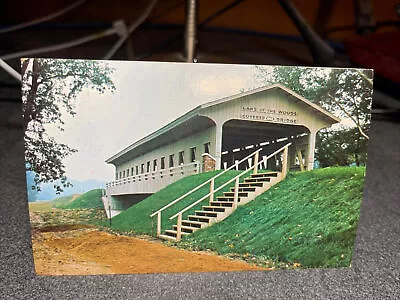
column 218, row 135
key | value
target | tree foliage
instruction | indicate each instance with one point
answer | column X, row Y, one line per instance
column 345, row 92
column 49, row 90
column 341, row 148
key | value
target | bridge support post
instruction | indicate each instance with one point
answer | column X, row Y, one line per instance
column 311, row 149
column 218, row 146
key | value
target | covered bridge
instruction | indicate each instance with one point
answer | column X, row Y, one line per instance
column 216, row 135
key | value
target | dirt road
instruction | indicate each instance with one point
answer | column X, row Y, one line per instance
column 66, row 250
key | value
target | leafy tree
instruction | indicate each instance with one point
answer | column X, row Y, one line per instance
column 340, row 148
column 345, row 92
column 49, row 89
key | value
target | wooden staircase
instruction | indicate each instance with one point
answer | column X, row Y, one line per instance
column 221, row 207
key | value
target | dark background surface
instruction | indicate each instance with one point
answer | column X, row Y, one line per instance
column 261, row 36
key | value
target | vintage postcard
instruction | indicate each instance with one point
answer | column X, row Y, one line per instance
column 145, row 167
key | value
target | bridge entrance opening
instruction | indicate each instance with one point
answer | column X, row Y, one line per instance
column 240, row 138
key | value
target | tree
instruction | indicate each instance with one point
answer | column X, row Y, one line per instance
column 49, row 89
column 341, row 148
column 345, row 92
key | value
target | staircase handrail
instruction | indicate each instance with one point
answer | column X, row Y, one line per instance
column 229, row 181
column 203, row 184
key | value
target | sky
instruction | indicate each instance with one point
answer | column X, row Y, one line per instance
column 148, row 96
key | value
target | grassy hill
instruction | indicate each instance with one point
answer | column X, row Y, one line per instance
column 90, row 199
column 308, row 219
column 136, row 219
column 62, row 201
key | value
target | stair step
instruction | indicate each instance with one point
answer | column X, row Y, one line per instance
column 259, row 179
column 221, row 203
column 186, row 229
column 250, row 184
column 266, row 174
column 213, row 208
column 203, row 219
column 226, row 199
column 167, row 237
column 206, row 213
column 240, row 194
column 244, row 189
column 173, row 233
column 194, row 224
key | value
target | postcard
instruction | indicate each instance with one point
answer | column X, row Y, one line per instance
column 150, row 167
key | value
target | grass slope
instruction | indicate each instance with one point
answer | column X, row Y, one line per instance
column 90, row 199
column 60, row 202
column 308, row 219
column 137, row 219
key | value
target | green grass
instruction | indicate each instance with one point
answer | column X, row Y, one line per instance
column 310, row 219
column 90, row 199
column 61, row 202
column 137, row 219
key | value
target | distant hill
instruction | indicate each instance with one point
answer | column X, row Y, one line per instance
column 78, row 187
column 90, row 199
column 61, row 202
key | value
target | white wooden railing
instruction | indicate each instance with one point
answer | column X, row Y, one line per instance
column 151, row 182
column 210, row 195
column 182, row 169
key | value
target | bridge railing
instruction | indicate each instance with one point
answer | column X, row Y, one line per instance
column 193, row 167
column 151, row 182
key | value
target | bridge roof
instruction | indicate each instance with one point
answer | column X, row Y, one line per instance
column 179, row 127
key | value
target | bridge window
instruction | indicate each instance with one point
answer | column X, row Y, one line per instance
column 171, row 161
column 127, row 172
column 132, row 171
column 155, row 165
column 162, row 163
column 181, row 158
column 207, row 148
column 192, row 154
column 116, row 176
column 148, row 167
column 142, row 168
column 120, row 175
column 137, row 170
column 123, row 174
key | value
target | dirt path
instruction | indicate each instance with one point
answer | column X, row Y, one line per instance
column 85, row 251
